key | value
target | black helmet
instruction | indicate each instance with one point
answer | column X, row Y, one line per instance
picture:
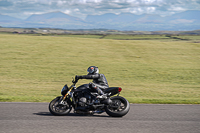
column 92, row 70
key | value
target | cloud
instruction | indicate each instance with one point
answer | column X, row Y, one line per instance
column 82, row 8
column 5, row 3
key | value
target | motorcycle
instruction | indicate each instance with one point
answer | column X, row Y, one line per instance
column 85, row 101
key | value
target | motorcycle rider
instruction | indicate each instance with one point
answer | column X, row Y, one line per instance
column 99, row 81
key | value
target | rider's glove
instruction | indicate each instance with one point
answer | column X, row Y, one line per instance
column 76, row 79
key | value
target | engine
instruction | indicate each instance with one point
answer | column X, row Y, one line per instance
column 86, row 99
column 82, row 101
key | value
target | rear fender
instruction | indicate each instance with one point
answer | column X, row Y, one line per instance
column 113, row 90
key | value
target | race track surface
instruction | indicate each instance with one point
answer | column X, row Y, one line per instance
column 142, row 118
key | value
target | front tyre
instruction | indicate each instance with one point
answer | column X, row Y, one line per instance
column 59, row 109
column 118, row 108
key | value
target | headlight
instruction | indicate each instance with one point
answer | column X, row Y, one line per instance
column 64, row 90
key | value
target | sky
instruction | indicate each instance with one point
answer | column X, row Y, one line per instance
column 81, row 8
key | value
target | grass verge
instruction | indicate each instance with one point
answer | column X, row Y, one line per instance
column 35, row 68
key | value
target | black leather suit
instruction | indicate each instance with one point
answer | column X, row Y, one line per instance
column 99, row 81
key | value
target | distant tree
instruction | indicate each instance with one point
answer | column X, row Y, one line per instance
column 168, row 35
column 15, row 32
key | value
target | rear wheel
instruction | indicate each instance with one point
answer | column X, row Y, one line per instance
column 57, row 108
column 118, row 108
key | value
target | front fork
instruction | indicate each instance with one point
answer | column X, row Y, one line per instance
column 63, row 98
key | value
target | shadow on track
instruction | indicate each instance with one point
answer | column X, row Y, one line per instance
column 70, row 114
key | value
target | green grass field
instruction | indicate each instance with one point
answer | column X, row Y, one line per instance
column 159, row 70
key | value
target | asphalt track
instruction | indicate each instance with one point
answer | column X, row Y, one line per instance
column 142, row 118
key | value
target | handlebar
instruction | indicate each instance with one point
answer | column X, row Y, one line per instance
column 74, row 81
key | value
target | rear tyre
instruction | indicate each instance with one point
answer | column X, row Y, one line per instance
column 118, row 108
column 59, row 109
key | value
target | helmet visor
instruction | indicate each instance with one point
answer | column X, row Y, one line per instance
column 90, row 69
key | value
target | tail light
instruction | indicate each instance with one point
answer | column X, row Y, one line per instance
column 119, row 89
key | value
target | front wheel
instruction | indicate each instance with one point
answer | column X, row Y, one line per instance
column 57, row 108
column 118, row 108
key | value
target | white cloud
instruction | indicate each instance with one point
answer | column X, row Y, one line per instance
column 67, row 11
column 151, row 9
column 175, row 8
column 60, row 2
column 76, row 10
column 81, row 8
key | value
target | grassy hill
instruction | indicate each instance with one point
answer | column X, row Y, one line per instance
column 99, row 32
column 35, row 68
